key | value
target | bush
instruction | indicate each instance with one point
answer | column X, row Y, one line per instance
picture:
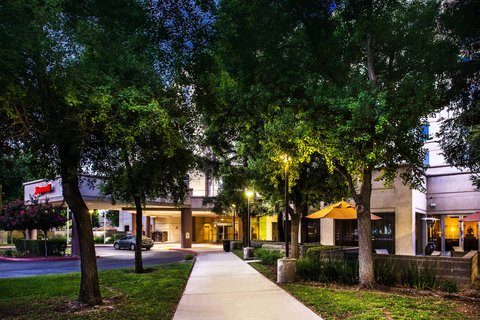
column 328, row 269
column 268, row 257
column 7, row 253
column 188, row 257
column 449, row 286
column 37, row 247
column 308, row 269
column 319, row 252
column 118, row 236
column 420, row 276
column 237, row 245
column 385, row 272
column 98, row 239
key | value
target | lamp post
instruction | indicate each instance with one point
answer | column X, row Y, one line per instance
column 233, row 218
column 285, row 160
column 249, row 194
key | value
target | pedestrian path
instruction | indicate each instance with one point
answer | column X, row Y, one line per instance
column 222, row 286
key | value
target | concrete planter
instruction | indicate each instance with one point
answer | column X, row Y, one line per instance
column 248, row 253
column 286, row 270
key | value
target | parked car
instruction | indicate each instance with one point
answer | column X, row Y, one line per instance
column 128, row 242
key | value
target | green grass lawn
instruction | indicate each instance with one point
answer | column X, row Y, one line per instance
column 151, row 295
column 340, row 302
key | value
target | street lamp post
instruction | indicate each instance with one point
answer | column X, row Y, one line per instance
column 249, row 194
column 233, row 218
column 286, row 159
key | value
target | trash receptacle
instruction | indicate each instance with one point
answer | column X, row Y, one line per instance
column 226, row 245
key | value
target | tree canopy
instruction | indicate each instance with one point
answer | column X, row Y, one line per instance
column 460, row 134
column 351, row 81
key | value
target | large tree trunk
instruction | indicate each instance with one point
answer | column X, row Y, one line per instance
column 295, row 224
column 365, row 256
column 138, row 237
column 89, row 286
column 244, row 228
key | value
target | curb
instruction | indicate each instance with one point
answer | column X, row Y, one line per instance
column 38, row 259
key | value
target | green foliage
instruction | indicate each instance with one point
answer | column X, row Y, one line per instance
column 188, row 257
column 420, row 276
column 268, row 257
column 448, row 285
column 319, row 251
column 308, row 269
column 37, row 247
column 328, row 268
column 95, row 219
column 37, row 297
column 385, row 272
column 460, row 132
column 98, row 239
column 113, row 216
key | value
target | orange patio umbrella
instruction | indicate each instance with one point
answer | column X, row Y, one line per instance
column 340, row 210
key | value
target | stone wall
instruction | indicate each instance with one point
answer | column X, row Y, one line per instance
column 462, row 270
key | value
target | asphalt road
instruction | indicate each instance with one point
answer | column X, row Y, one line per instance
column 109, row 259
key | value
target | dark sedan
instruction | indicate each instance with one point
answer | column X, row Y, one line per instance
column 128, row 242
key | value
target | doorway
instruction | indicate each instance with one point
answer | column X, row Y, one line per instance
column 420, row 228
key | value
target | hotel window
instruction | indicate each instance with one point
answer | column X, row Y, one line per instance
column 425, row 131
column 383, row 232
column 426, row 159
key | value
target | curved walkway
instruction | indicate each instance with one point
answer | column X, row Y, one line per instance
column 222, row 286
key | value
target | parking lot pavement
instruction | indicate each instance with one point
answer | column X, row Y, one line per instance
column 109, row 258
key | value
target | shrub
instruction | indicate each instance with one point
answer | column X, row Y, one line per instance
column 420, row 276
column 319, row 252
column 188, row 257
column 37, row 247
column 329, row 268
column 348, row 272
column 308, row 269
column 449, row 286
column 7, row 253
column 268, row 257
column 98, row 239
column 237, row 245
column 118, row 236
column 110, row 240
column 385, row 272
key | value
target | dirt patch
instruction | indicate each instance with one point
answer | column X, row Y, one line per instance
column 108, row 305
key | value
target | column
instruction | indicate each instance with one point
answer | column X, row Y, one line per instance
column 186, row 227
column 134, row 224
column 442, row 224
column 148, row 231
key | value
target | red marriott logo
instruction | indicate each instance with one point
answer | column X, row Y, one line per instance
column 43, row 189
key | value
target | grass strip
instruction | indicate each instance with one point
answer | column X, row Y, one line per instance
column 127, row 295
column 343, row 302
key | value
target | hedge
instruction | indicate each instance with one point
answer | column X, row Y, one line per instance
column 55, row 247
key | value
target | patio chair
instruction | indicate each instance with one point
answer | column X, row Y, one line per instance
column 436, row 253
column 458, row 249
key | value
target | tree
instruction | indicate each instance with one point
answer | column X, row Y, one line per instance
column 16, row 216
column 359, row 77
column 95, row 219
column 145, row 115
column 46, row 217
column 113, row 216
column 44, row 54
column 460, row 134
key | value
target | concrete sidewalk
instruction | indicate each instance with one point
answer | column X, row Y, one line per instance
column 222, row 286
